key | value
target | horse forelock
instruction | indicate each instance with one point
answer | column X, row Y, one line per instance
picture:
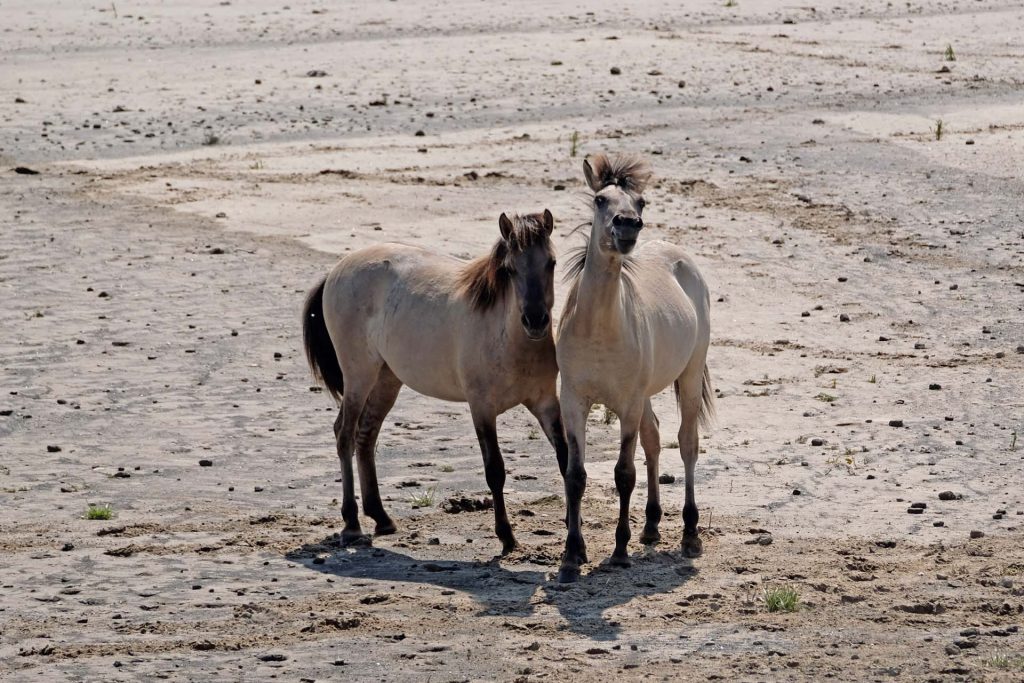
column 485, row 280
column 628, row 171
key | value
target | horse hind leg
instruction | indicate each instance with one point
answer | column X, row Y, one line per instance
column 378, row 405
column 356, row 393
column 650, row 440
column 690, row 394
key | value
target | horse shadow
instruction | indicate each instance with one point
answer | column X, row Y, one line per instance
column 502, row 591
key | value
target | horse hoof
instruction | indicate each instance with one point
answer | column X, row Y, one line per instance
column 508, row 546
column 650, row 537
column 620, row 561
column 351, row 539
column 692, row 546
column 568, row 574
column 385, row 528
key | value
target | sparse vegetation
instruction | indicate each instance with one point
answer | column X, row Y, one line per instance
column 99, row 512
column 1006, row 662
column 949, row 54
column 447, row 468
column 424, row 499
column 211, row 139
column 1013, row 441
column 939, row 129
column 826, row 398
column 781, row 599
column 873, row 380
column 574, row 143
column 730, row 3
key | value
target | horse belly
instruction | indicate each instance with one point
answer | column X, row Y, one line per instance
column 419, row 345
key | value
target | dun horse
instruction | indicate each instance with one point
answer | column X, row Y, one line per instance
column 633, row 324
column 480, row 332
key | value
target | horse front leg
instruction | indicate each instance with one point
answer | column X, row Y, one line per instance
column 625, row 482
column 650, row 439
column 574, row 414
column 494, row 470
column 549, row 417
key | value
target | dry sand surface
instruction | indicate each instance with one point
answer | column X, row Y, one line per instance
column 201, row 164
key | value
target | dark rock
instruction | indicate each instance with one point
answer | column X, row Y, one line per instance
column 206, row 463
column 895, row 423
column 25, row 170
column 949, row 495
column 615, row 71
column 666, row 479
column 273, row 658
column 977, row 534
column 53, row 449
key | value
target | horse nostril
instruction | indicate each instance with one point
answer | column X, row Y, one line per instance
column 544, row 319
column 620, row 221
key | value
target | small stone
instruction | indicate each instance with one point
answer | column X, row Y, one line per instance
column 206, row 463
column 952, row 649
column 53, row 449
column 843, row 318
column 615, row 71
column 919, row 346
column 939, row 523
column 921, row 506
column 915, row 511
column 796, row 492
column 67, row 546
column 935, row 387
column 666, row 478
column 817, row 442
column 977, row 534
column 895, row 423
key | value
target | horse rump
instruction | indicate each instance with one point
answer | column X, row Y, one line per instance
column 323, row 361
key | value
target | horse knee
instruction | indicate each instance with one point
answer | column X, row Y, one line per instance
column 575, row 482
column 625, row 477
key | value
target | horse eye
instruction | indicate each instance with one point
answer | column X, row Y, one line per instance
column 600, row 200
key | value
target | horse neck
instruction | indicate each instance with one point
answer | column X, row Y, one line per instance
column 600, row 288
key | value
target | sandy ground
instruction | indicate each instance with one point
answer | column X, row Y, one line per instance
column 194, row 180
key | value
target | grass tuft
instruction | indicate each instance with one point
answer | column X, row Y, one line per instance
column 574, row 142
column 826, row 398
column 949, row 54
column 781, row 599
column 1006, row 662
column 939, row 129
column 99, row 512
column 423, row 499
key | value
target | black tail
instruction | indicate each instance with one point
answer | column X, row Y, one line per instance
column 323, row 361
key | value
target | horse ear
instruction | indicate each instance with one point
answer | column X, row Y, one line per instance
column 505, row 225
column 588, row 173
column 549, row 222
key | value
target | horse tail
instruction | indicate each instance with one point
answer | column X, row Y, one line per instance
column 707, row 401
column 323, row 361
column 706, row 416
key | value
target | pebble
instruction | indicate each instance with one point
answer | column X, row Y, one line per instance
column 206, row 463
column 817, row 442
column 53, row 449
column 977, row 534
column 615, row 71
column 666, row 479
column 844, row 318
column 935, row 387
column 895, row 423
